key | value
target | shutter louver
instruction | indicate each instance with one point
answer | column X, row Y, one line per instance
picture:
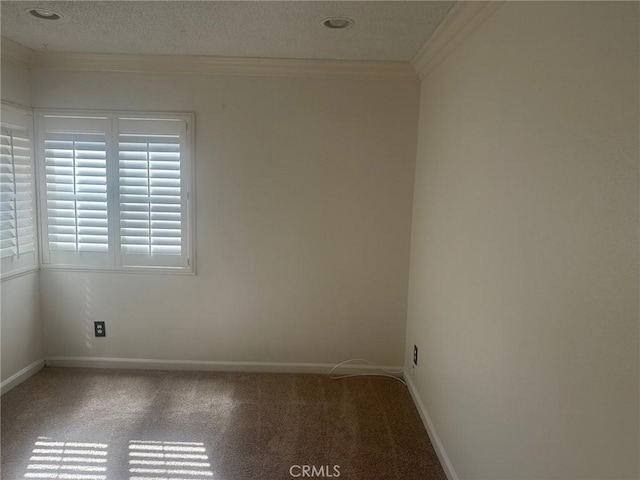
column 151, row 222
column 16, row 194
column 76, row 186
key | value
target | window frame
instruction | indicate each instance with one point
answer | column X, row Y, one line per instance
column 14, row 112
column 187, row 162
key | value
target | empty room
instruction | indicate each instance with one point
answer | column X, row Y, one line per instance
column 359, row 240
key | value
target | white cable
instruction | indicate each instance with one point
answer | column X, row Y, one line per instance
column 389, row 373
column 393, row 372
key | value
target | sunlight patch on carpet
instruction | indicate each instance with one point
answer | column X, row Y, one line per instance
column 67, row 460
column 160, row 460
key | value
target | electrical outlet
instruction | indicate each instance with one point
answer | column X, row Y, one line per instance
column 100, row 329
column 415, row 355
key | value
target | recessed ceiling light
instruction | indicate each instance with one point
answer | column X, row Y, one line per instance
column 44, row 14
column 338, row 22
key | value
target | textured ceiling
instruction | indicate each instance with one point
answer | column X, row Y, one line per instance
column 277, row 29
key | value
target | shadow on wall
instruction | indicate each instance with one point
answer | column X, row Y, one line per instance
column 88, row 313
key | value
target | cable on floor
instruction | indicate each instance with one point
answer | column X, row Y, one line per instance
column 388, row 373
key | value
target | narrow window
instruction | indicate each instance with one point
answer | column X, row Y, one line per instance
column 18, row 247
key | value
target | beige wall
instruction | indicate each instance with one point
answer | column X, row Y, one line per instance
column 15, row 84
column 303, row 207
column 20, row 324
column 524, row 260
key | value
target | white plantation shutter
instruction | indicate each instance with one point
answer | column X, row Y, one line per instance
column 16, row 198
column 76, row 176
column 116, row 190
column 75, row 157
column 18, row 245
column 152, row 199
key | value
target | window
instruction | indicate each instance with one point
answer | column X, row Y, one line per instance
column 116, row 190
column 18, row 247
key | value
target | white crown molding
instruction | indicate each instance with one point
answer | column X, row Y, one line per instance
column 459, row 23
column 206, row 65
column 11, row 50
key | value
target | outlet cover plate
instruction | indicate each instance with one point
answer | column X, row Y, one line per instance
column 100, row 329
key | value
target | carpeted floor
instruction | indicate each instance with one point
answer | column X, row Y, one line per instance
column 87, row 424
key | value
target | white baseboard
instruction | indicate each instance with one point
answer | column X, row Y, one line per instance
column 201, row 365
column 21, row 376
column 435, row 440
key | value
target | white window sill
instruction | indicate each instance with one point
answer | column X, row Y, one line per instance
column 18, row 273
column 189, row 271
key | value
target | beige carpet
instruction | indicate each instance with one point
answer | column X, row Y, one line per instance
column 87, row 424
